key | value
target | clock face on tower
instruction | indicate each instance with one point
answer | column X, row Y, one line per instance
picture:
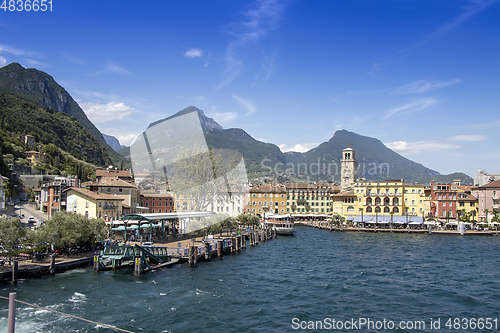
column 347, row 174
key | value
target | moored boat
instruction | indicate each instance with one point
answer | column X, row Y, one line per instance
column 283, row 224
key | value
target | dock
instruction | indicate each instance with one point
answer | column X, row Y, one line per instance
column 148, row 258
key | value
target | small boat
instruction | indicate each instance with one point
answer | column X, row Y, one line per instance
column 283, row 224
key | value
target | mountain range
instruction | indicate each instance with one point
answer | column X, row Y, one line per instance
column 375, row 160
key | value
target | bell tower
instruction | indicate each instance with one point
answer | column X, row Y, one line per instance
column 348, row 168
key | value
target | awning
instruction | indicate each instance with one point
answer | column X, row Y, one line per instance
column 120, row 228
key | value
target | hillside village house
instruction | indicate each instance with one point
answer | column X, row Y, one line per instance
column 124, row 175
column 92, row 204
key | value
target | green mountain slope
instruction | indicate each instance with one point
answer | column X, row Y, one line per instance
column 39, row 87
column 48, row 126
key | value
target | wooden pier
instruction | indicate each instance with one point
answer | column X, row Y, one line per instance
column 148, row 258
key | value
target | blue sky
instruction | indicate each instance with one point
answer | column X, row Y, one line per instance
column 421, row 76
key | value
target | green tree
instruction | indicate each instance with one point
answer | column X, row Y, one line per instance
column 12, row 233
column 67, row 230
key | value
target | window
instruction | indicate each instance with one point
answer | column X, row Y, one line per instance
column 109, row 189
column 120, row 190
column 350, row 209
column 86, row 204
column 100, row 203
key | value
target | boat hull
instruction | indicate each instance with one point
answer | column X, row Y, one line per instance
column 285, row 231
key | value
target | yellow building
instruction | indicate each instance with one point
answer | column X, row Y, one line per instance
column 93, row 204
column 414, row 199
column 381, row 201
column 34, row 157
column 266, row 199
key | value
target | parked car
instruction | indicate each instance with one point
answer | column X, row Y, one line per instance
column 31, row 219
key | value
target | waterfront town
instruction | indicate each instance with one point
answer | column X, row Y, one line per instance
column 116, row 193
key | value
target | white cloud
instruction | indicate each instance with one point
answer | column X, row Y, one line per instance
column 409, row 148
column 193, row 53
column 418, row 87
column 475, row 7
column 415, row 105
column 246, row 104
column 112, row 68
column 300, row 147
column 260, row 21
column 101, row 113
column 127, row 139
column 468, row 138
column 224, row 117
column 3, row 61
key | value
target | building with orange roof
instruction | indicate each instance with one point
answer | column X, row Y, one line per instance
column 269, row 198
column 92, row 204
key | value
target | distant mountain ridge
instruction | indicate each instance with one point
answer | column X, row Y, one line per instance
column 113, row 142
column 375, row 160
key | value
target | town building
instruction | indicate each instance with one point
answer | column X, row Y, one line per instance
column 92, row 204
column 52, row 196
column 444, row 197
column 482, row 178
column 266, row 199
column 123, row 189
column 124, row 175
column 313, row 199
column 157, row 202
column 488, row 200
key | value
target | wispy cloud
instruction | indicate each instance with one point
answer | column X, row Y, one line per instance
column 418, row 87
column 101, row 113
column 246, row 104
column 17, row 52
column 3, row 61
column 473, row 8
column 73, row 59
column 193, row 53
column 470, row 138
column 413, row 106
column 112, row 68
column 300, row 147
column 223, row 117
column 259, row 22
column 408, row 148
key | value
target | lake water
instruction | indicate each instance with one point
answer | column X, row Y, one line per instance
column 284, row 285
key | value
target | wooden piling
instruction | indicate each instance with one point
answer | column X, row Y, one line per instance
column 195, row 255
column 207, row 251
column 191, row 256
column 220, row 249
column 11, row 318
column 52, row 264
column 15, row 269
column 244, row 241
